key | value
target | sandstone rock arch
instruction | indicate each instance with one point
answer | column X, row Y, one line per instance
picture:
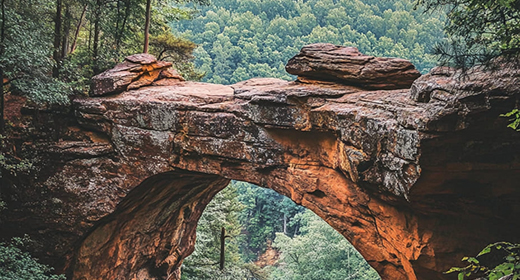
column 408, row 176
column 309, row 167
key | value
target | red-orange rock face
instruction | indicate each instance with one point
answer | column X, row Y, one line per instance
column 414, row 179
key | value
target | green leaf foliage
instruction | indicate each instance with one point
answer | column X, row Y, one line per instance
column 265, row 213
column 16, row 264
column 479, row 31
column 319, row 252
column 222, row 211
column 253, row 216
column 26, row 51
column 510, row 264
column 49, row 49
column 243, row 39
column 514, row 119
column 11, row 164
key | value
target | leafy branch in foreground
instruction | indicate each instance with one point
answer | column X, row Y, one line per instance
column 510, row 266
column 514, row 120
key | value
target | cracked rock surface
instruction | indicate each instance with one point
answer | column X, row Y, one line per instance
column 408, row 176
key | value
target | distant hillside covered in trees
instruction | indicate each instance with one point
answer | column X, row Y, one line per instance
column 242, row 39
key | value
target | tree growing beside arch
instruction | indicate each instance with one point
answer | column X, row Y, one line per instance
column 479, row 31
column 148, row 15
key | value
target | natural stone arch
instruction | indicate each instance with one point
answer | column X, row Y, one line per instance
column 408, row 176
column 159, row 216
column 349, row 161
column 151, row 231
column 308, row 167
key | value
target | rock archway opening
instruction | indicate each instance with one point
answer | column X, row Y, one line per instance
column 250, row 232
column 153, row 230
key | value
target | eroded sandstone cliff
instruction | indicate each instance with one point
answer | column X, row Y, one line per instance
column 414, row 178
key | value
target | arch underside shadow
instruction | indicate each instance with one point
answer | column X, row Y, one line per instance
column 151, row 231
column 153, row 228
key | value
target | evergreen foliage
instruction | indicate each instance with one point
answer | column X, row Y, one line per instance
column 243, row 39
column 265, row 213
column 222, row 211
column 106, row 31
column 49, row 49
column 479, row 31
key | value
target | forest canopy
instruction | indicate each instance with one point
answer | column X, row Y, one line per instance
column 243, row 39
column 49, row 49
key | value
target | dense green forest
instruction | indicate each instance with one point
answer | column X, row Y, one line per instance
column 243, row 39
column 305, row 246
column 49, row 49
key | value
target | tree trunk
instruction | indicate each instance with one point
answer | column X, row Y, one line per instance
column 123, row 25
column 95, row 47
column 66, row 32
column 222, row 247
column 76, row 34
column 2, row 39
column 2, row 120
column 147, row 25
column 89, row 44
column 284, row 223
column 57, row 40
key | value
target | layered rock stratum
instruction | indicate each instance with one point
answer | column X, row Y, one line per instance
column 413, row 178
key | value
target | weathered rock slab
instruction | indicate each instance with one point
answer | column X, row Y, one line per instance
column 136, row 71
column 328, row 62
